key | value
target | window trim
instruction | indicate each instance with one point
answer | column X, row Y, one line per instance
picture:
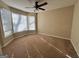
column 13, row 26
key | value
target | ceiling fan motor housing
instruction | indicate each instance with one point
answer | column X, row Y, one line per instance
column 36, row 5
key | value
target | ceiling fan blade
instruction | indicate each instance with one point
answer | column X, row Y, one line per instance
column 42, row 9
column 42, row 4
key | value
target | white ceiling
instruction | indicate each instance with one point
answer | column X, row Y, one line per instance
column 52, row 4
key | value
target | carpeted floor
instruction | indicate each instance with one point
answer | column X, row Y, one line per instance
column 40, row 46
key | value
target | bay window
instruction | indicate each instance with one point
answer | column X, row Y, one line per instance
column 14, row 22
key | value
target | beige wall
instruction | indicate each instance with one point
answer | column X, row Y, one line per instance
column 75, row 28
column 56, row 22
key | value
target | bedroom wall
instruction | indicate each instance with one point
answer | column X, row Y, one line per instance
column 56, row 22
column 75, row 28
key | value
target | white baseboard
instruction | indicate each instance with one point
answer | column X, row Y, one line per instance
column 38, row 33
column 75, row 47
column 13, row 39
column 55, row 36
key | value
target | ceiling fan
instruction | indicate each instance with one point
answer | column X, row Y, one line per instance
column 38, row 6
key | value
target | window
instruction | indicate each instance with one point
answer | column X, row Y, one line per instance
column 23, row 23
column 6, row 22
column 31, row 22
column 19, row 22
column 13, row 22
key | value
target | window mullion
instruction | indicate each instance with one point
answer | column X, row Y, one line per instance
column 27, row 23
column 12, row 24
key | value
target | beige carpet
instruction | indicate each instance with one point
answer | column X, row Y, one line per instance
column 39, row 46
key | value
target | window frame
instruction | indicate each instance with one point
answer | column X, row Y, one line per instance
column 3, row 25
column 12, row 30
